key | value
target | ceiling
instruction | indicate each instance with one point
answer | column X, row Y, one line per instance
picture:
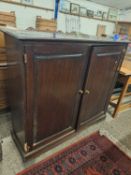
column 121, row 4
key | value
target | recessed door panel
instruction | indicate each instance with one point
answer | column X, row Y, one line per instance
column 57, row 75
column 103, row 64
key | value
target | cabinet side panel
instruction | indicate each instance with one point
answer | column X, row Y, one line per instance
column 16, row 86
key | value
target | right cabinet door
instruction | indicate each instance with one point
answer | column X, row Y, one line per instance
column 104, row 62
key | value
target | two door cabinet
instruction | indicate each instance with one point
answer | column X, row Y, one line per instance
column 57, row 85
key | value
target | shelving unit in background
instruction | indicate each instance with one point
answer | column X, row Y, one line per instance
column 124, row 28
column 27, row 5
column 6, row 19
column 93, row 18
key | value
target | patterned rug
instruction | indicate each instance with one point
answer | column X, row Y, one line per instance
column 94, row 155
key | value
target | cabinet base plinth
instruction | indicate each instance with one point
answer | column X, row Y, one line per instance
column 45, row 147
column 40, row 149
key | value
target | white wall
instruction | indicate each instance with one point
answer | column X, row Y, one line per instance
column 26, row 16
column 45, row 3
column 87, row 26
column 125, row 15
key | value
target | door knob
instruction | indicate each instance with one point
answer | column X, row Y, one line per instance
column 81, row 91
column 87, row 91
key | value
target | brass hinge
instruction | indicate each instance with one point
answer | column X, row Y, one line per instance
column 25, row 58
column 26, row 147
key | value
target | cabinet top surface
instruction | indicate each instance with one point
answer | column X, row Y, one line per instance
column 34, row 35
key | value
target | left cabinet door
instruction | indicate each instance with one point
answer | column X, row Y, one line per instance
column 55, row 75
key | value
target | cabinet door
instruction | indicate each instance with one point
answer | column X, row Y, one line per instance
column 104, row 62
column 55, row 75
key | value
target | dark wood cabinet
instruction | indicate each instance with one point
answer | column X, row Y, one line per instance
column 57, row 84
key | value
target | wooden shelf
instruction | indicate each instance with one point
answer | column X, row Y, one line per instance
column 104, row 20
column 125, row 22
column 52, row 10
column 115, row 97
column 27, row 5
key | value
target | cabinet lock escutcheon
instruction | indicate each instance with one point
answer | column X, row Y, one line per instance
column 25, row 58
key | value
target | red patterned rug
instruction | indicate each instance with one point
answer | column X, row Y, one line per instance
column 94, row 155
